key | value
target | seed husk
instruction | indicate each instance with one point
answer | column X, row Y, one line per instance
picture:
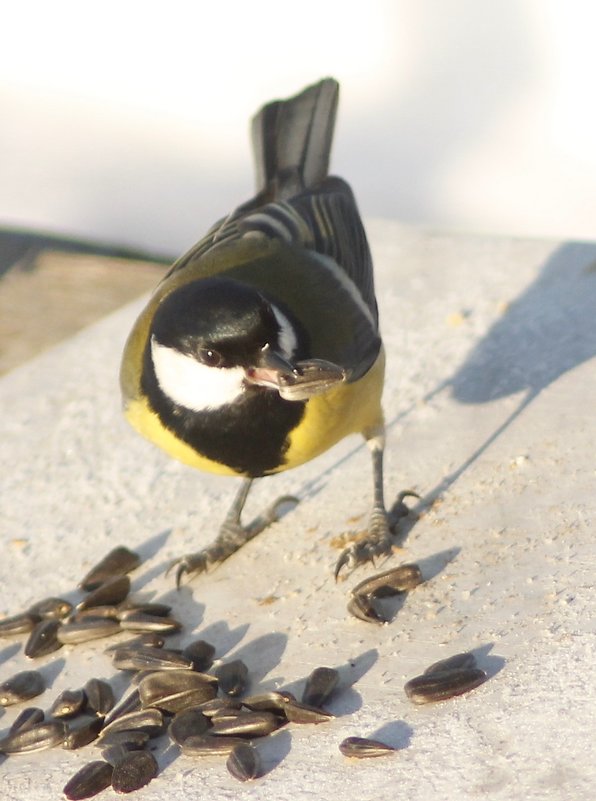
column 22, row 623
column 139, row 621
column 149, row 720
column 43, row 639
column 188, row 723
column 133, row 771
column 37, row 738
column 68, row 704
column 364, row 748
column 117, row 562
column 362, row 607
column 440, row 685
column 201, row 653
column 247, row 724
column 148, row 658
column 110, row 593
column 90, row 780
column 232, row 677
column 463, row 660
column 319, row 686
column 131, row 739
column 82, row 731
column 51, row 609
column 150, row 608
column 244, row 763
column 149, row 639
column 175, row 690
column 130, row 703
column 90, row 628
column 204, row 745
column 27, row 719
column 297, row 712
column 20, row 687
column 100, row 696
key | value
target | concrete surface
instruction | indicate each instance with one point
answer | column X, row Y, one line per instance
column 490, row 399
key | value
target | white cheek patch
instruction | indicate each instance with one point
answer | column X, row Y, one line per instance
column 193, row 385
column 287, row 340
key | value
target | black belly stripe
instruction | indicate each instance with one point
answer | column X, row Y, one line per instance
column 250, row 436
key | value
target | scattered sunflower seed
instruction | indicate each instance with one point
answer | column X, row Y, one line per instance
column 150, row 608
column 82, row 731
column 68, row 704
column 364, row 748
column 20, row 687
column 390, row 582
column 150, row 639
column 148, row 658
column 22, row 623
column 27, row 719
column 232, row 677
column 117, row 562
column 43, row 639
column 139, row 621
column 175, row 690
column 319, row 686
column 201, row 654
column 247, row 724
column 273, row 701
column 110, row 593
column 37, row 738
column 133, row 771
column 219, row 706
column 131, row 739
column 204, row 745
column 244, row 763
column 188, row 723
column 148, row 720
column 297, row 712
column 130, row 703
column 90, row 780
column 464, row 660
column 90, row 628
column 51, row 609
column 440, row 685
column 100, row 696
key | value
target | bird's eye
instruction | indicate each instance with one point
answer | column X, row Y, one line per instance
column 210, row 357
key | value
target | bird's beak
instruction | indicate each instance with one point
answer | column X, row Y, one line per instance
column 271, row 369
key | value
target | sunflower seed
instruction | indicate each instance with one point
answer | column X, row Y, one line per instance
column 90, row 780
column 272, row 701
column 148, row 720
column 133, row 771
column 247, row 724
column 91, row 628
column 117, row 562
column 111, row 612
column 20, row 687
column 68, row 704
column 150, row 639
column 297, row 712
column 43, row 639
column 131, row 739
column 218, row 706
column 139, row 621
column 232, row 677
column 390, row 582
column 319, row 686
column 204, row 745
column 362, row 607
column 51, row 609
column 201, row 654
column 109, row 593
column 100, row 696
column 244, row 763
column 175, row 690
column 130, row 703
column 82, row 731
column 37, row 738
column 22, row 623
column 364, row 748
column 150, row 608
column 147, row 658
column 27, row 719
column 188, row 723
column 440, row 685
column 464, row 660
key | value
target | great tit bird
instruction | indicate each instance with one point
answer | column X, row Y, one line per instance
column 260, row 348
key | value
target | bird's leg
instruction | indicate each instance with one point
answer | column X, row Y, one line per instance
column 379, row 538
column 232, row 534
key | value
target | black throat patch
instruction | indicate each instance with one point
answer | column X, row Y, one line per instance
column 250, row 436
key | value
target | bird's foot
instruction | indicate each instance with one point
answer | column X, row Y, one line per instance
column 379, row 540
column 232, row 536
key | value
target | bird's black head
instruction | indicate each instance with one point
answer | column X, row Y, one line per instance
column 213, row 339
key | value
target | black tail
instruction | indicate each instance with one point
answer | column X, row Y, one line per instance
column 292, row 140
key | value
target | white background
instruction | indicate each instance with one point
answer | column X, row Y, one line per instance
column 128, row 121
